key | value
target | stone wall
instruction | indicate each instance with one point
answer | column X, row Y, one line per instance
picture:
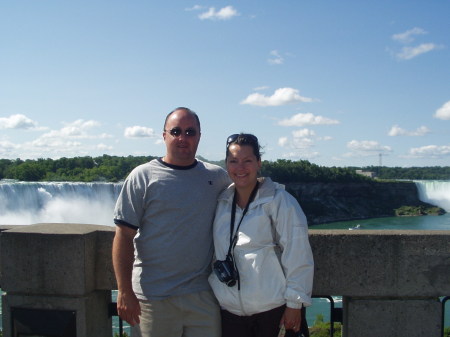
column 390, row 281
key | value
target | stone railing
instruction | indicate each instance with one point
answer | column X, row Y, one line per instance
column 390, row 281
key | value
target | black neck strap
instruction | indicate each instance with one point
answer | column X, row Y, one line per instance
column 233, row 238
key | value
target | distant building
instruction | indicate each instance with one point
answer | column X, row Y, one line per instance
column 369, row 174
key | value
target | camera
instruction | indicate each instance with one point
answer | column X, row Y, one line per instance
column 225, row 271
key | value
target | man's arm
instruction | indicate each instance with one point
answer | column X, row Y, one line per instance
column 128, row 306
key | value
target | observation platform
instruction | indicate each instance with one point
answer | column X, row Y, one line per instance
column 390, row 281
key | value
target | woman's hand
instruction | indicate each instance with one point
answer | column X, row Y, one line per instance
column 291, row 319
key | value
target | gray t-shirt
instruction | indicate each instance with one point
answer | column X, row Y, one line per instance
column 173, row 209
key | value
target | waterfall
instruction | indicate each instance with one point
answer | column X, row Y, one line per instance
column 23, row 203
column 435, row 192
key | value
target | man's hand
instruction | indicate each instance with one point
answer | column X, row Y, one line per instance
column 128, row 307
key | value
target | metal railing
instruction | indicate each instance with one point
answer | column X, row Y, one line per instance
column 443, row 301
column 112, row 311
column 335, row 314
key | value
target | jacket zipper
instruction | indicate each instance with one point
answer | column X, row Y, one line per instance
column 241, row 302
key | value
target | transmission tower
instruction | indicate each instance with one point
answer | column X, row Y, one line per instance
column 380, row 155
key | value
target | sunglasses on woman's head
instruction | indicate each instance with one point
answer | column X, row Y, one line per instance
column 176, row 132
column 246, row 138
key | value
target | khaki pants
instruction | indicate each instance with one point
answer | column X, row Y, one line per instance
column 192, row 315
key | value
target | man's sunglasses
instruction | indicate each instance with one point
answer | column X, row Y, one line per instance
column 176, row 132
column 245, row 138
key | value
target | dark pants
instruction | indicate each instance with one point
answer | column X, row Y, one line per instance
column 264, row 324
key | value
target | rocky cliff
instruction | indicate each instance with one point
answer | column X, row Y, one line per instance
column 328, row 202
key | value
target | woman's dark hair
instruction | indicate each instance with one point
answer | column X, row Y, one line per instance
column 244, row 139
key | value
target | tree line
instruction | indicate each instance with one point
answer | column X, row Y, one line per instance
column 412, row 173
column 114, row 168
column 85, row 169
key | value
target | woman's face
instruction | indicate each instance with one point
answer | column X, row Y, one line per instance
column 242, row 165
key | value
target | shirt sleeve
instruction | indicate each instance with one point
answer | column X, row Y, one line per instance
column 129, row 207
column 296, row 257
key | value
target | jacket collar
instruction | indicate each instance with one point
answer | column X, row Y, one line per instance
column 266, row 192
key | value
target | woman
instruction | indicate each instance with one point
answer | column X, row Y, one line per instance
column 264, row 269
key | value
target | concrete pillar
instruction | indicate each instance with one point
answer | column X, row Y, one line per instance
column 52, row 267
column 390, row 281
column 401, row 317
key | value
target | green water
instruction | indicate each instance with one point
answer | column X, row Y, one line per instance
column 429, row 222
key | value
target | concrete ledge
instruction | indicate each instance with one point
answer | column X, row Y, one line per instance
column 347, row 263
column 389, row 317
column 390, row 280
column 51, row 258
column 104, row 271
column 354, row 263
column 381, row 263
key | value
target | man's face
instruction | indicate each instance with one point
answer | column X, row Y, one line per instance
column 183, row 142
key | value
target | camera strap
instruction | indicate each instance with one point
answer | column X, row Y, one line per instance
column 233, row 238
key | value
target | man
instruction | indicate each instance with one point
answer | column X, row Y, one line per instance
column 162, row 248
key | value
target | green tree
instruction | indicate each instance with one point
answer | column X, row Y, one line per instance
column 114, row 168
column 322, row 329
column 447, row 332
column 27, row 171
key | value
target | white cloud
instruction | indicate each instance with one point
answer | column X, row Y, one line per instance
column 17, row 121
column 433, row 151
column 261, row 88
column 305, row 155
column 301, row 144
column 275, row 58
column 283, row 141
column 303, row 138
column 296, row 142
column 303, row 119
column 6, row 146
column 407, row 53
column 225, row 13
column 65, row 140
column 302, row 133
column 443, row 112
column 367, row 147
column 408, row 36
column 104, row 147
column 398, row 131
column 194, row 8
column 53, row 143
column 281, row 96
column 76, row 138
column 138, row 132
column 77, row 129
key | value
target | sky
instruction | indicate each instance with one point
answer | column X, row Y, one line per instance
column 337, row 83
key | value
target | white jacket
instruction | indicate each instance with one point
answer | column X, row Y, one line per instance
column 273, row 216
